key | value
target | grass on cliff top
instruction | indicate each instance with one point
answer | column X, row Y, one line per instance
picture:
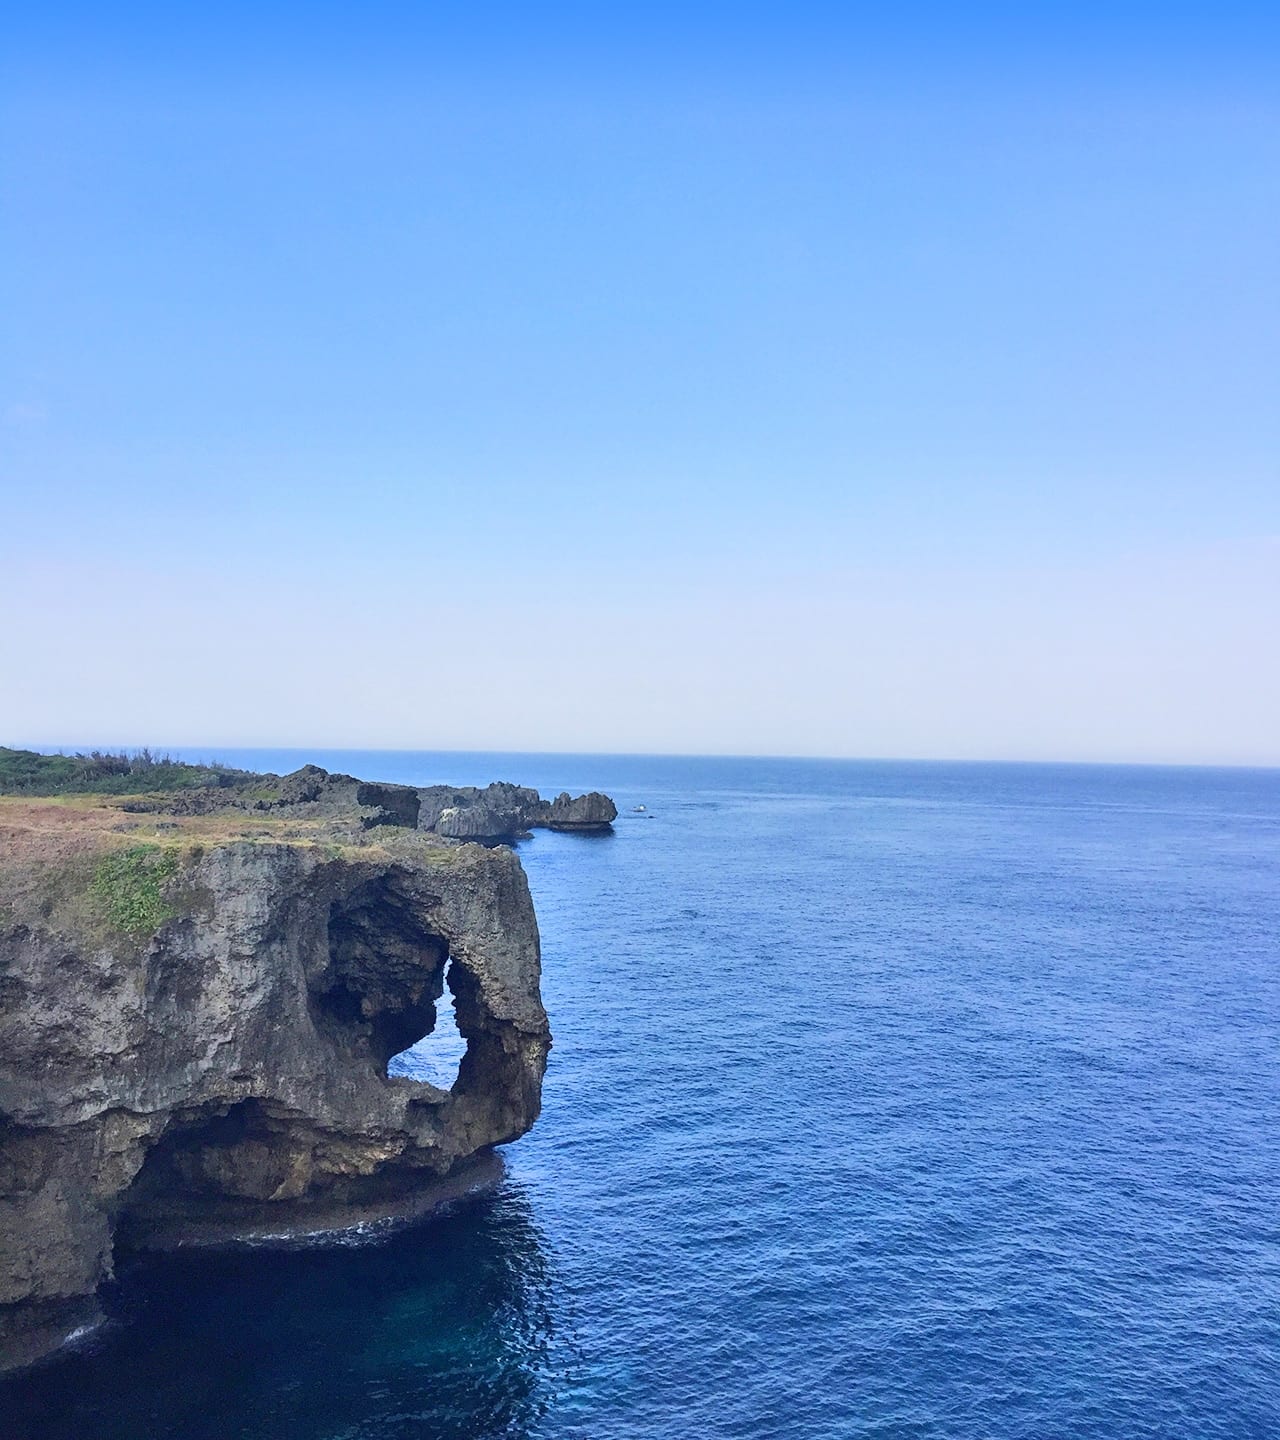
column 80, row 878
column 84, row 866
column 49, row 829
column 129, row 885
column 52, row 827
column 73, row 874
column 26, row 772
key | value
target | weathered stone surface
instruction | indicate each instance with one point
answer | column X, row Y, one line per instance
column 499, row 811
column 392, row 805
column 583, row 812
column 225, row 1071
column 503, row 811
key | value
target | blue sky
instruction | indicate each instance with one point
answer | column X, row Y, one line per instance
column 805, row 379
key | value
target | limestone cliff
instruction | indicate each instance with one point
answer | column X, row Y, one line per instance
column 197, row 1007
column 503, row 811
column 498, row 812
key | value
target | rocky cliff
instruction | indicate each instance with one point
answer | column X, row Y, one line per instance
column 498, row 812
column 198, row 1001
column 503, row 811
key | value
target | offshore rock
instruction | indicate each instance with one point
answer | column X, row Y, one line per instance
column 583, row 812
column 195, row 1046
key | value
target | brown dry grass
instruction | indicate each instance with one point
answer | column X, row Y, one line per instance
column 58, row 829
column 51, row 848
column 40, row 832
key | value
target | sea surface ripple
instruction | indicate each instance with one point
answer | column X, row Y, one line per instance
column 887, row 1100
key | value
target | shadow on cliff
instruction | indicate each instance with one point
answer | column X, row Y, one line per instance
column 441, row 1332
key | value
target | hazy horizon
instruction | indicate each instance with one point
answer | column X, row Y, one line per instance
column 669, row 380
column 229, row 754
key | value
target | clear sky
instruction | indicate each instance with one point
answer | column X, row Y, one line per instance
column 803, row 379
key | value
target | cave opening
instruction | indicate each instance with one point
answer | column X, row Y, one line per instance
column 210, row 1162
column 437, row 1056
column 379, row 994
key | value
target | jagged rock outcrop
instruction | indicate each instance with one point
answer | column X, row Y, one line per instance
column 503, row 811
column 583, row 812
column 499, row 811
column 207, row 1056
column 391, row 804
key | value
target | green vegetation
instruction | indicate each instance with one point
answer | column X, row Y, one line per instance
column 25, row 772
column 129, row 885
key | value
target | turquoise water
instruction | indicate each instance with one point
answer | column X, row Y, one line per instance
column 886, row 1100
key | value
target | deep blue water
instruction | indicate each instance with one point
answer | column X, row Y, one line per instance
column 887, row 1100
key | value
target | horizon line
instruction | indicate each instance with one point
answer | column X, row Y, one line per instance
column 211, row 752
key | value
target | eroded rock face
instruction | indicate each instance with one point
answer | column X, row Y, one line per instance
column 583, row 812
column 225, row 1073
column 503, row 811
column 498, row 812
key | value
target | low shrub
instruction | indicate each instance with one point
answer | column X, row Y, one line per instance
column 99, row 772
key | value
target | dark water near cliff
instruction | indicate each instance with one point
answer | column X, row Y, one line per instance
column 887, row 1100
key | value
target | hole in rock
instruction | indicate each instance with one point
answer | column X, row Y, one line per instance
column 376, row 996
column 436, row 1057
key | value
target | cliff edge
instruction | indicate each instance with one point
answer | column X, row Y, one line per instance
column 199, row 995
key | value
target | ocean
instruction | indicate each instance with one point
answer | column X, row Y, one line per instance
column 887, row 1100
